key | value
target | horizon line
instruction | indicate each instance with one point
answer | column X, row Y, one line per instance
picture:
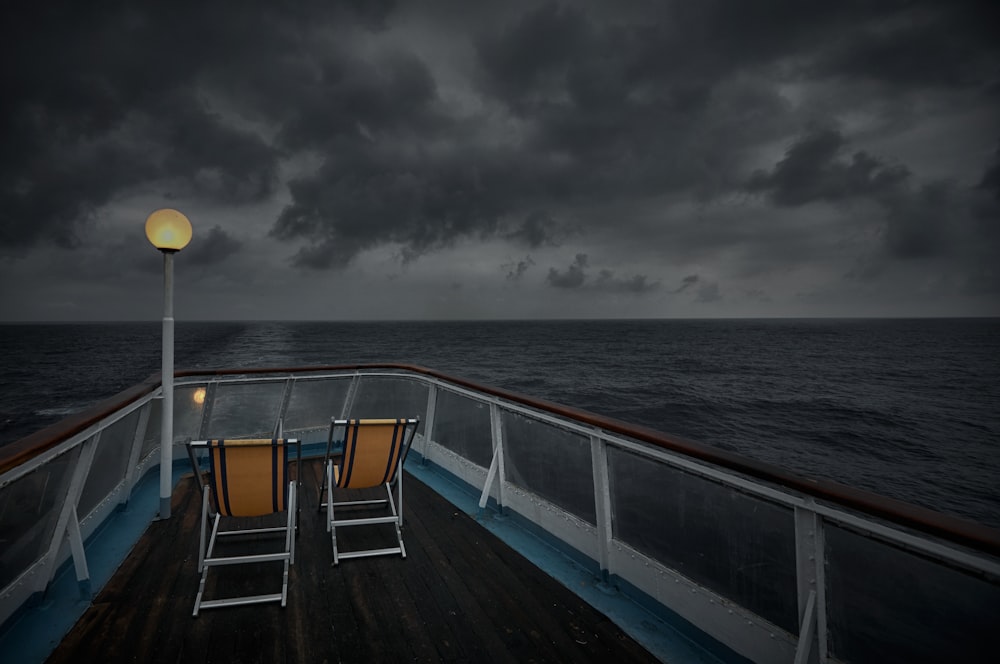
column 495, row 320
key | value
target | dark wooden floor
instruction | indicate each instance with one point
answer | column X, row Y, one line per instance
column 460, row 595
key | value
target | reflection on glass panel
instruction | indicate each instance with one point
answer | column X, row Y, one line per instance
column 245, row 410
column 109, row 465
column 737, row 545
column 463, row 426
column 379, row 397
column 312, row 404
column 885, row 604
column 550, row 462
column 152, row 438
column 189, row 404
column 29, row 508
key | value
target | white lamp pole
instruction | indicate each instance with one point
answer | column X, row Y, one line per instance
column 169, row 231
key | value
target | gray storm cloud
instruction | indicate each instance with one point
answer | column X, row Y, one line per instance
column 628, row 133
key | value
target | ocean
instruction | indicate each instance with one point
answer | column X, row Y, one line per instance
column 906, row 408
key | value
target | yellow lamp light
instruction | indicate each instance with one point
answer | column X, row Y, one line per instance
column 168, row 230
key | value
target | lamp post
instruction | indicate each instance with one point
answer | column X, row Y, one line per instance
column 169, row 231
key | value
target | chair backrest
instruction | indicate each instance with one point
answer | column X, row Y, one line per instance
column 248, row 477
column 373, row 450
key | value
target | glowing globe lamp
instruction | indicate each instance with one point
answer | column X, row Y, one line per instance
column 168, row 230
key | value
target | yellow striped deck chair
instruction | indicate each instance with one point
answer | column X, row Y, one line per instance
column 374, row 451
column 246, row 478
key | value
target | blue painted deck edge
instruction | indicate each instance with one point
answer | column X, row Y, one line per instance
column 661, row 631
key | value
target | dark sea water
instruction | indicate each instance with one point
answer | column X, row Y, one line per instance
column 905, row 408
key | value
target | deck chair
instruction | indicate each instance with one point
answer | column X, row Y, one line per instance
column 246, row 479
column 374, row 451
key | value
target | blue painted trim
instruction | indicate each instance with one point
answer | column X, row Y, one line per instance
column 697, row 636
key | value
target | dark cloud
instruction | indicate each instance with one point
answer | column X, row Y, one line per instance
column 54, row 195
column 525, row 61
column 919, row 222
column 637, row 284
column 708, row 292
column 353, row 125
column 364, row 196
column 985, row 212
column 572, row 277
column 927, row 45
column 575, row 276
column 930, row 220
column 100, row 100
column 516, row 270
column 990, row 182
column 814, row 169
column 536, row 230
column 686, row 283
column 212, row 248
column 217, row 161
column 345, row 97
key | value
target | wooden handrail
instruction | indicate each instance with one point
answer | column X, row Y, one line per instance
column 41, row 441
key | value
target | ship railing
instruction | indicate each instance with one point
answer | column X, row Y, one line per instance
column 774, row 566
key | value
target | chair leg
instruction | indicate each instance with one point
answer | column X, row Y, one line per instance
column 333, row 536
column 292, row 521
column 322, row 489
column 399, row 489
column 330, row 527
column 203, row 553
column 201, row 591
column 202, row 529
column 398, row 523
column 290, row 527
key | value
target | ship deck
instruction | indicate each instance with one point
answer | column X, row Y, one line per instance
column 461, row 594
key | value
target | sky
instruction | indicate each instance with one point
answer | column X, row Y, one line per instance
column 446, row 159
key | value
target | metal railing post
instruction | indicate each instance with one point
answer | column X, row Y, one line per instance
column 432, row 392
column 810, row 581
column 131, row 470
column 67, row 513
column 286, row 397
column 496, row 471
column 602, row 501
column 352, row 391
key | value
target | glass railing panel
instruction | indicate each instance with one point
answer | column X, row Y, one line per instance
column 739, row 546
column 189, row 406
column 151, row 439
column 390, row 397
column 110, row 461
column 311, row 405
column 886, row 604
column 463, row 426
column 550, row 462
column 29, row 508
column 245, row 410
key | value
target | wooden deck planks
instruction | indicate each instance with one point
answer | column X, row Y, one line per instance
column 461, row 595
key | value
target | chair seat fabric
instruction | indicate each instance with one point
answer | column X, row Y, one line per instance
column 246, row 479
column 373, row 454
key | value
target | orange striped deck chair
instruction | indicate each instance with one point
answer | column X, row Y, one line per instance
column 246, row 479
column 374, row 451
